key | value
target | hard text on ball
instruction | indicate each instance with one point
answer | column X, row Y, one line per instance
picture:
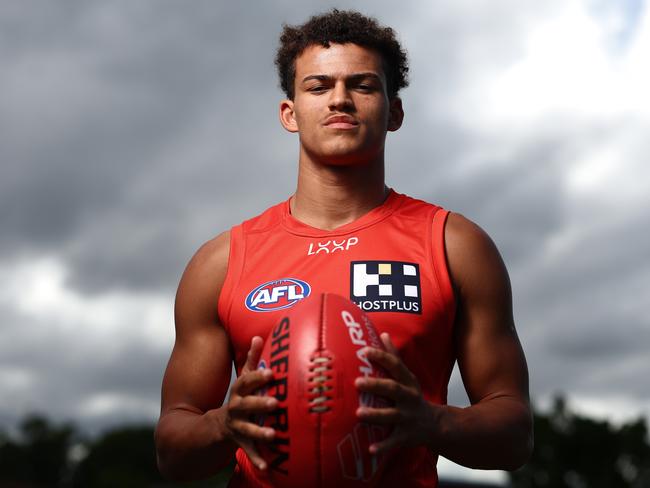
column 357, row 337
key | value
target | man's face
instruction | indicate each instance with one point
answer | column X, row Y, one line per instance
column 341, row 108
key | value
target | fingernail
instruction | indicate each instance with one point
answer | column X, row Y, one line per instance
column 262, row 465
column 271, row 402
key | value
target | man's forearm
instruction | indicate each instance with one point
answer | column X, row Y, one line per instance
column 192, row 445
column 492, row 434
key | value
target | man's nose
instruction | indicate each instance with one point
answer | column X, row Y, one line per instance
column 340, row 98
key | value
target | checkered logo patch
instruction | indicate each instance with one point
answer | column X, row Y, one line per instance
column 386, row 286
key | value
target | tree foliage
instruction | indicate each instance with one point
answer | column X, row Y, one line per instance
column 40, row 454
column 123, row 457
column 45, row 455
column 573, row 451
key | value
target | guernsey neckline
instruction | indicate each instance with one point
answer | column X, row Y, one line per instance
column 295, row 226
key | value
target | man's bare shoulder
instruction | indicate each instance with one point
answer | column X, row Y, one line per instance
column 471, row 253
column 201, row 283
column 211, row 257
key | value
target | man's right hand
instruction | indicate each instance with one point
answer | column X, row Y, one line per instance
column 243, row 404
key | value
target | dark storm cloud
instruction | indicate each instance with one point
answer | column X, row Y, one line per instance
column 63, row 366
column 133, row 132
column 129, row 128
column 601, row 358
column 97, row 99
column 65, row 370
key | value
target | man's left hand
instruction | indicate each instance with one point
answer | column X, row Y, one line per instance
column 413, row 418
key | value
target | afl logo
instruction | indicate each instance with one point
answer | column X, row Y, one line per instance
column 277, row 294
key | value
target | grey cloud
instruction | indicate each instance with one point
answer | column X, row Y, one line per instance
column 66, row 366
column 135, row 147
column 117, row 85
column 127, row 94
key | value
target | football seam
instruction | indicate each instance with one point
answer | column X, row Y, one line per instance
column 323, row 322
column 320, row 370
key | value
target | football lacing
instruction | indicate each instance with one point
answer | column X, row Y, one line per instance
column 318, row 378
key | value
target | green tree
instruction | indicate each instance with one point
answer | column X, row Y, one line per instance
column 126, row 458
column 572, row 451
column 39, row 456
column 123, row 457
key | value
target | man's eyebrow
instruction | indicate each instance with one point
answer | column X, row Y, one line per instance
column 317, row 78
column 363, row 76
column 353, row 77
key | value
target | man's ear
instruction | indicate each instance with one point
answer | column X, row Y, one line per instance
column 395, row 114
column 288, row 116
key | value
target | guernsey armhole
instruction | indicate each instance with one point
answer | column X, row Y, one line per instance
column 440, row 266
column 224, row 301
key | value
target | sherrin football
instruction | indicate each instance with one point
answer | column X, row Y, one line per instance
column 315, row 353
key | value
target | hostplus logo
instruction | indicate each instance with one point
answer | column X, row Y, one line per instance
column 386, row 286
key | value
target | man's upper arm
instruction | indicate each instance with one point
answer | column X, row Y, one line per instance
column 198, row 372
column 490, row 357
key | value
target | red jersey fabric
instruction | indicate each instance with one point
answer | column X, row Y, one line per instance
column 391, row 262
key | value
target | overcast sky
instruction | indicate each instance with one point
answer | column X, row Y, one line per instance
column 132, row 132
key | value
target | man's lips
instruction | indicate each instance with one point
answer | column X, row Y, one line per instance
column 341, row 122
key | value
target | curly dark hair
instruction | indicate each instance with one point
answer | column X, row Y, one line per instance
column 341, row 27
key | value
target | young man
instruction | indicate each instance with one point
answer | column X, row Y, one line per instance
column 432, row 282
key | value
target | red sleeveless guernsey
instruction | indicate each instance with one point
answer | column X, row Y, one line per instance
column 390, row 262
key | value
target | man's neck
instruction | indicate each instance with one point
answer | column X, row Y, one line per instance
column 330, row 196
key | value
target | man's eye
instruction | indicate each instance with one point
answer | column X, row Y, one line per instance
column 318, row 88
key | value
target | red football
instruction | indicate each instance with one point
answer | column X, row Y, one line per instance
column 315, row 354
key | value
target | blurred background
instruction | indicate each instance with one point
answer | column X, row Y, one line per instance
column 132, row 132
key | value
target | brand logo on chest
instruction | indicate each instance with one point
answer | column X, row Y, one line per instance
column 332, row 246
column 277, row 295
column 386, row 286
